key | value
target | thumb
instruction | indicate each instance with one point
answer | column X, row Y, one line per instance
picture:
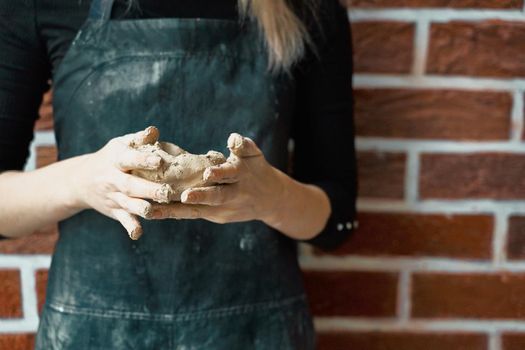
column 243, row 147
column 148, row 136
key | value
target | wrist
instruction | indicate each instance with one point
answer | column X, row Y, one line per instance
column 300, row 210
column 74, row 196
column 278, row 206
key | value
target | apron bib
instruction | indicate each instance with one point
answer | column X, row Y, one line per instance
column 186, row 284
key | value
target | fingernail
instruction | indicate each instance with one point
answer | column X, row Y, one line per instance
column 187, row 197
column 163, row 194
column 147, row 211
column 135, row 233
column 235, row 141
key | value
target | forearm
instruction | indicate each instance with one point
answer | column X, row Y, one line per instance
column 303, row 211
column 37, row 198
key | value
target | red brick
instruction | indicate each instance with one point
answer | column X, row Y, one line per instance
column 41, row 242
column 480, row 175
column 401, row 341
column 17, row 341
column 11, row 299
column 41, row 283
column 458, row 236
column 513, row 341
column 45, row 155
column 45, row 122
column 474, row 295
column 381, row 175
column 433, row 114
column 494, row 4
column 350, row 293
column 383, row 47
column 516, row 238
column 488, row 48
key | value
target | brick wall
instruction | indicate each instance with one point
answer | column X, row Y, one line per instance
column 439, row 260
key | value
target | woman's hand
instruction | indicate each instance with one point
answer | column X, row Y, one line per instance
column 248, row 188
column 103, row 182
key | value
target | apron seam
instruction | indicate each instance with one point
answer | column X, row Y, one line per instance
column 183, row 316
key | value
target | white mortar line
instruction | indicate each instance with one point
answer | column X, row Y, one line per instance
column 42, row 138
column 454, row 82
column 412, row 177
column 403, row 296
column 415, row 264
column 445, row 146
column 495, row 341
column 443, row 207
column 17, row 326
column 27, row 265
column 434, row 15
column 29, row 296
column 305, row 249
column 33, row 261
column 363, row 324
column 517, row 117
column 499, row 239
column 421, row 39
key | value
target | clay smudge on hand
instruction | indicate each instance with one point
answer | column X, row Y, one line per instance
column 179, row 169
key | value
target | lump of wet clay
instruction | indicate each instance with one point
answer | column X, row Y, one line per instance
column 179, row 169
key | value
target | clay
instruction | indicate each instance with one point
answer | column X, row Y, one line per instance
column 179, row 169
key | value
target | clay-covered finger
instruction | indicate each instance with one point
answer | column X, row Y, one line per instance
column 180, row 211
column 243, row 147
column 224, row 173
column 212, row 195
column 131, row 159
column 130, row 222
column 135, row 206
column 133, row 186
column 148, row 136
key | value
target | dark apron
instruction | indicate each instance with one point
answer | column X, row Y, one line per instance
column 187, row 284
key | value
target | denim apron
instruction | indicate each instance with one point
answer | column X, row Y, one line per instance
column 186, row 284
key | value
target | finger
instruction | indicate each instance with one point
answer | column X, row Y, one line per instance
column 130, row 223
column 133, row 186
column 224, row 173
column 243, row 147
column 135, row 206
column 213, row 195
column 172, row 149
column 131, row 159
column 181, row 211
column 148, row 136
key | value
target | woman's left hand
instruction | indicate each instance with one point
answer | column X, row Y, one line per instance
column 248, row 188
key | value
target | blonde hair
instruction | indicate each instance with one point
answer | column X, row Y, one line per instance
column 284, row 33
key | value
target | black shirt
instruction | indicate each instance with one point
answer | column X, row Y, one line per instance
column 35, row 35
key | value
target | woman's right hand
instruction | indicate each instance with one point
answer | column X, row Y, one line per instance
column 104, row 183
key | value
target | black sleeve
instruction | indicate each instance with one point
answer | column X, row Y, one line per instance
column 23, row 75
column 22, row 81
column 323, row 130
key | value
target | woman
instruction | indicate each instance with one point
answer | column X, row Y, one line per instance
column 204, row 73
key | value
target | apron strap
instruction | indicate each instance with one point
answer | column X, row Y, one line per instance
column 101, row 10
